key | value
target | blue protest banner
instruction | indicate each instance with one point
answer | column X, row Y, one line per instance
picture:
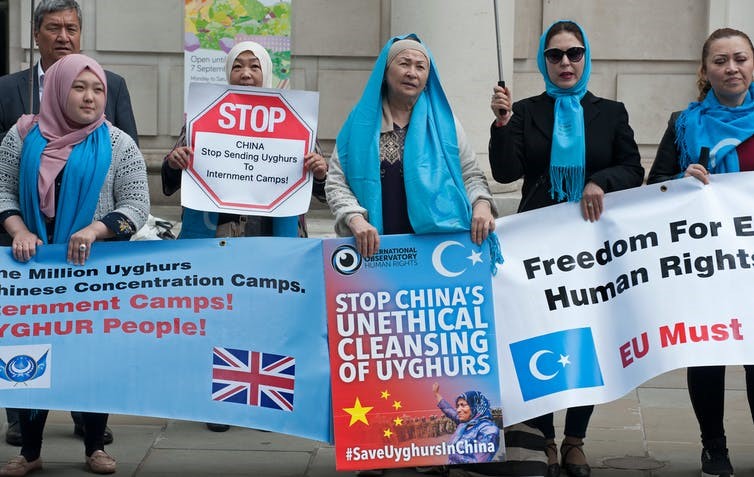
column 229, row 331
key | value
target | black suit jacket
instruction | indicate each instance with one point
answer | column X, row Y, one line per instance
column 522, row 148
column 667, row 164
column 14, row 101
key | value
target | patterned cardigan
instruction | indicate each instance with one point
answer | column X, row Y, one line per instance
column 125, row 190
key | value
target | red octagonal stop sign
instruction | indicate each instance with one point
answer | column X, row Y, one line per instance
column 258, row 139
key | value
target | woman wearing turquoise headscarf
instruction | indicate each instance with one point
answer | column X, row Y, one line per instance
column 568, row 145
column 720, row 123
column 401, row 162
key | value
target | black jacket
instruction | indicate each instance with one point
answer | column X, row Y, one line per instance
column 14, row 101
column 667, row 165
column 522, row 148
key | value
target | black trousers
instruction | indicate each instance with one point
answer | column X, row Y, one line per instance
column 32, row 422
column 576, row 422
column 707, row 392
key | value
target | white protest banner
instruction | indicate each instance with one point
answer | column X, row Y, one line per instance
column 588, row 311
column 249, row 146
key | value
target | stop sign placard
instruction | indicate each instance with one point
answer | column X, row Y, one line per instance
column 249, row 144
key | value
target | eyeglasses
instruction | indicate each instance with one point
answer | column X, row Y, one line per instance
column 574, row 54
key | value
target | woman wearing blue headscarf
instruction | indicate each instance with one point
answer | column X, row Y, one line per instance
column 568, row 145
column 473, row 417
column 401, row 162
column 719, row 125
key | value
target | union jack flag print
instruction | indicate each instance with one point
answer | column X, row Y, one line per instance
column 253, row 378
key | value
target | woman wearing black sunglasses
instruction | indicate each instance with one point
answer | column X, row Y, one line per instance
column 568, row 145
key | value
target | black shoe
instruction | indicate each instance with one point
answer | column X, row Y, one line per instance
column 574, row 470
column 108, row 436
column 716, row 463
column 78, row 429
column 13, row 434
column 551, row 451
column 217, row 427
column 431, row 469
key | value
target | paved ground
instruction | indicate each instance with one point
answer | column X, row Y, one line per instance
column 649, row 432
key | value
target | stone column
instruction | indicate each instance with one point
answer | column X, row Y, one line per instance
column 461, row 36
column 738, row 14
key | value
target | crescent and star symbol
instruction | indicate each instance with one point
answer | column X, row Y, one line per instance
column 27, row 366
column 725, row 142
column 474, row 258
column 534, row 368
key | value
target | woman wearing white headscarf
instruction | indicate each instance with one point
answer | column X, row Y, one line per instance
column 248, row 64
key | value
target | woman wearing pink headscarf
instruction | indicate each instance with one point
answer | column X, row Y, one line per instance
column 68, row 176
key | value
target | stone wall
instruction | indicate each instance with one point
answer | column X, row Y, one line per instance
column 645, row 54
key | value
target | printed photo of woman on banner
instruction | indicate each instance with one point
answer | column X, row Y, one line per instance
column 477, row 431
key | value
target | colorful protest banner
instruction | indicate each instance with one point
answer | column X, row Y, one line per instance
column 212, row 27
column 249, row 146
column 204, row 330
column 236, row 331
column 408, row 326
column 592, row 310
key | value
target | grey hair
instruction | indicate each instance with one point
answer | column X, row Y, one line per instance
column 51, row 6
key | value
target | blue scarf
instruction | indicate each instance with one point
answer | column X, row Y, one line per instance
column 709, row 124
column 83, row 176
column 568, row 152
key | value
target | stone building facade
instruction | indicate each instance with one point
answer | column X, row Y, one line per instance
column 645, row 53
